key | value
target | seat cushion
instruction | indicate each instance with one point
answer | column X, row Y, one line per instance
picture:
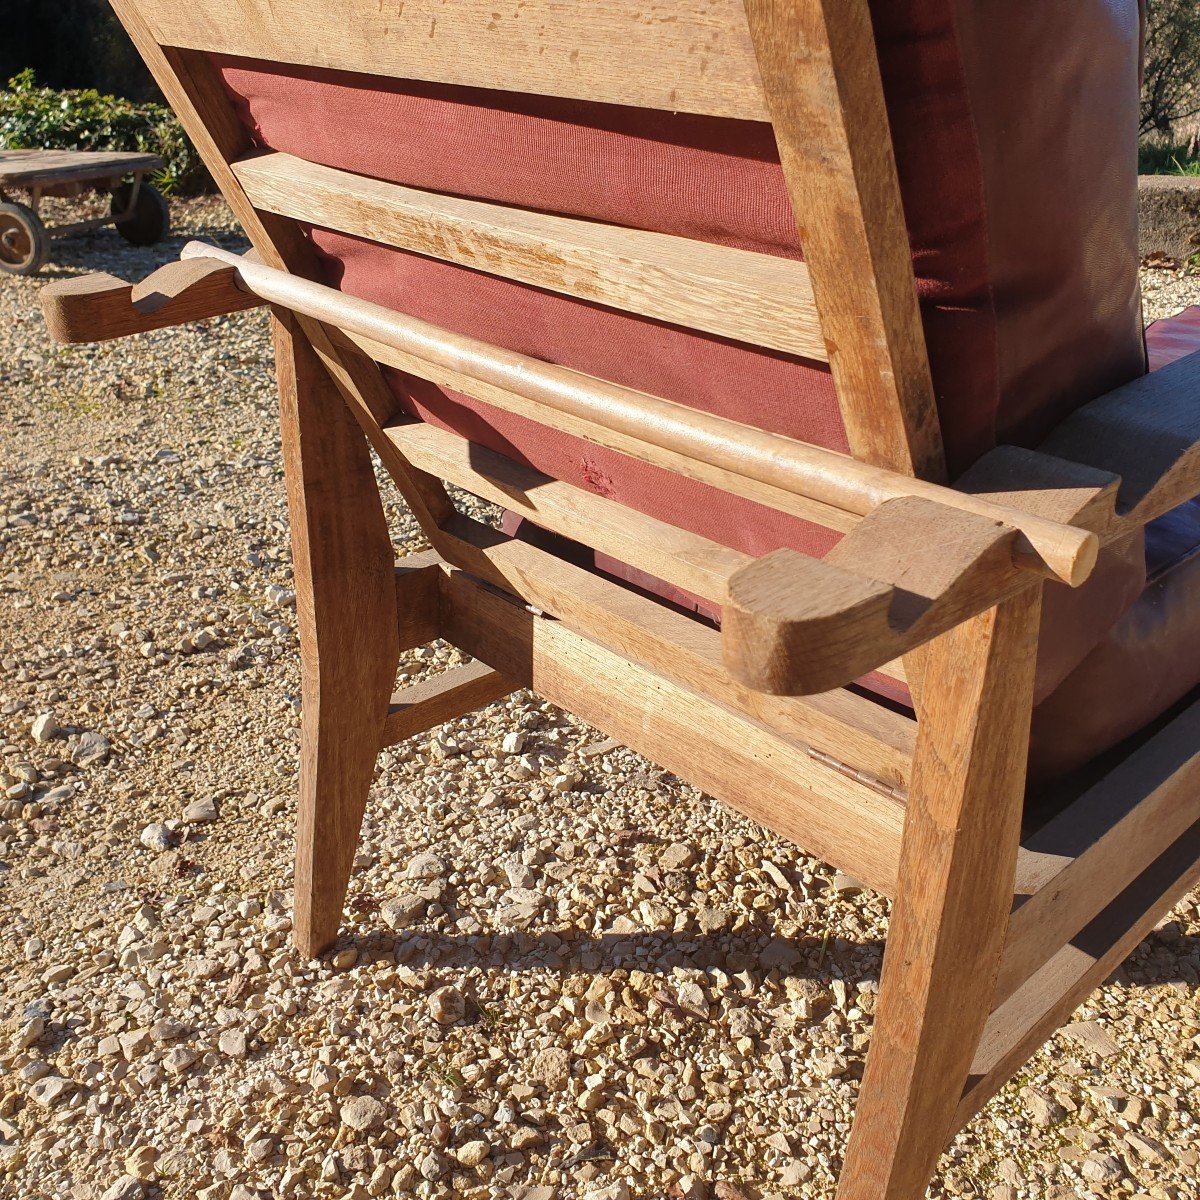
column 1150, row 657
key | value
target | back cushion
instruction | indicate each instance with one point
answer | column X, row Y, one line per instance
column 1014, row 126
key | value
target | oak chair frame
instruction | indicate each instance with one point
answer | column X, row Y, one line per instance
column 992, row 942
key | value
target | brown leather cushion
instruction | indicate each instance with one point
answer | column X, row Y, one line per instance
column 1150, row 658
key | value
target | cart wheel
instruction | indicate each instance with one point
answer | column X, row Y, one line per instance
column 150, row 220
column 24, row 243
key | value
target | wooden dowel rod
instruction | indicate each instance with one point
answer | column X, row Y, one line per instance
column 1046, row 547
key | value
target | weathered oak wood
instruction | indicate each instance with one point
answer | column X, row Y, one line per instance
column 444, row 697
column 740, row 294
column 948, row 921
column 743, row 764
column 859, row 733
column 795, row 625
column 98, row 307
column 1017, row 1029
column 739, row 452
column 1074, row 866
column 684, row 559
column 46, row 168
column 346, row 603
column 821, row 78
column 685, row 57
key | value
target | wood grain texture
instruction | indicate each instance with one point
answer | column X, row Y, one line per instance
column 1074, row 866
column 757, row 298
column 417, row 599
column 820, row 74
column 911, row 571
column 741, row 763
column 723, row 451
column 99, row 307
column 679, row 55
column 948, row 921
column 444, row 697
column 346, row 605
column 858, row 732
column 684, row 559
column 1019, row 1027
column 37, row 168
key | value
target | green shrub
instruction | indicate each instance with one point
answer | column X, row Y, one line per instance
column 33, row 117
column 1157, row 157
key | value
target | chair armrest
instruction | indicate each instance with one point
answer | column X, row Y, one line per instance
column 1148, row 433
column 99, row 307
column 913, row 569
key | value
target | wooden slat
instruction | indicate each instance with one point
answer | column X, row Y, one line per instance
column 443, row 697
column 821, row 76
column 684, row 559
column 1073, row 867
column 744, row 459
column 679, row 55
column 38, row 168
column 1017, row 1029
column 757, row 298
column 417, row 599
column 733, row 758
column 852, row 729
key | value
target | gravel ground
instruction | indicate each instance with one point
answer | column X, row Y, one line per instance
column 563, row 972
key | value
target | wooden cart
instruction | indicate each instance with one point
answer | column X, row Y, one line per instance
column 138, row 209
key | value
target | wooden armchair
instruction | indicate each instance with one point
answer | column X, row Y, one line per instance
column 914, row 779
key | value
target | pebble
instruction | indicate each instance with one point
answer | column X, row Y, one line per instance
column 128, row 1187
column 157, row 837
column 471, row 1154
column 45, row 727
column 49, row 1090
column 200, row 812
column 362, row 1113
column 447, row 1006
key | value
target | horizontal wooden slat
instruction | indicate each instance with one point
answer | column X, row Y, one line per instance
column 737, row 760
column 864, row 736
column 444, row 697
column 42, row 168
column 684, row 559
column 679, row 55
column 1073, row 867
column 1026, row 1019
column 739, row 294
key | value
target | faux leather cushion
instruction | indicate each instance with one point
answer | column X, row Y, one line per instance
column 1150, row 658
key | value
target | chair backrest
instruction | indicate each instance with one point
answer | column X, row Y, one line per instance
column 642, row 172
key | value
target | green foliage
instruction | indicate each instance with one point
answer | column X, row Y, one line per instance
column 1156, row 157
column 33, row 117
column 1171, row 78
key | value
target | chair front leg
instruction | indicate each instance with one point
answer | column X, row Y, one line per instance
column 346, row 605
column 950, row 914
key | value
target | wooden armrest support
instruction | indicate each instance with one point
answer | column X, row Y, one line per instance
column 1148, row 433
column 913, row 569
column 99, row 307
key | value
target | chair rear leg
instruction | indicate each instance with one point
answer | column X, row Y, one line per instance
column 950, row 914
column 349, row 646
